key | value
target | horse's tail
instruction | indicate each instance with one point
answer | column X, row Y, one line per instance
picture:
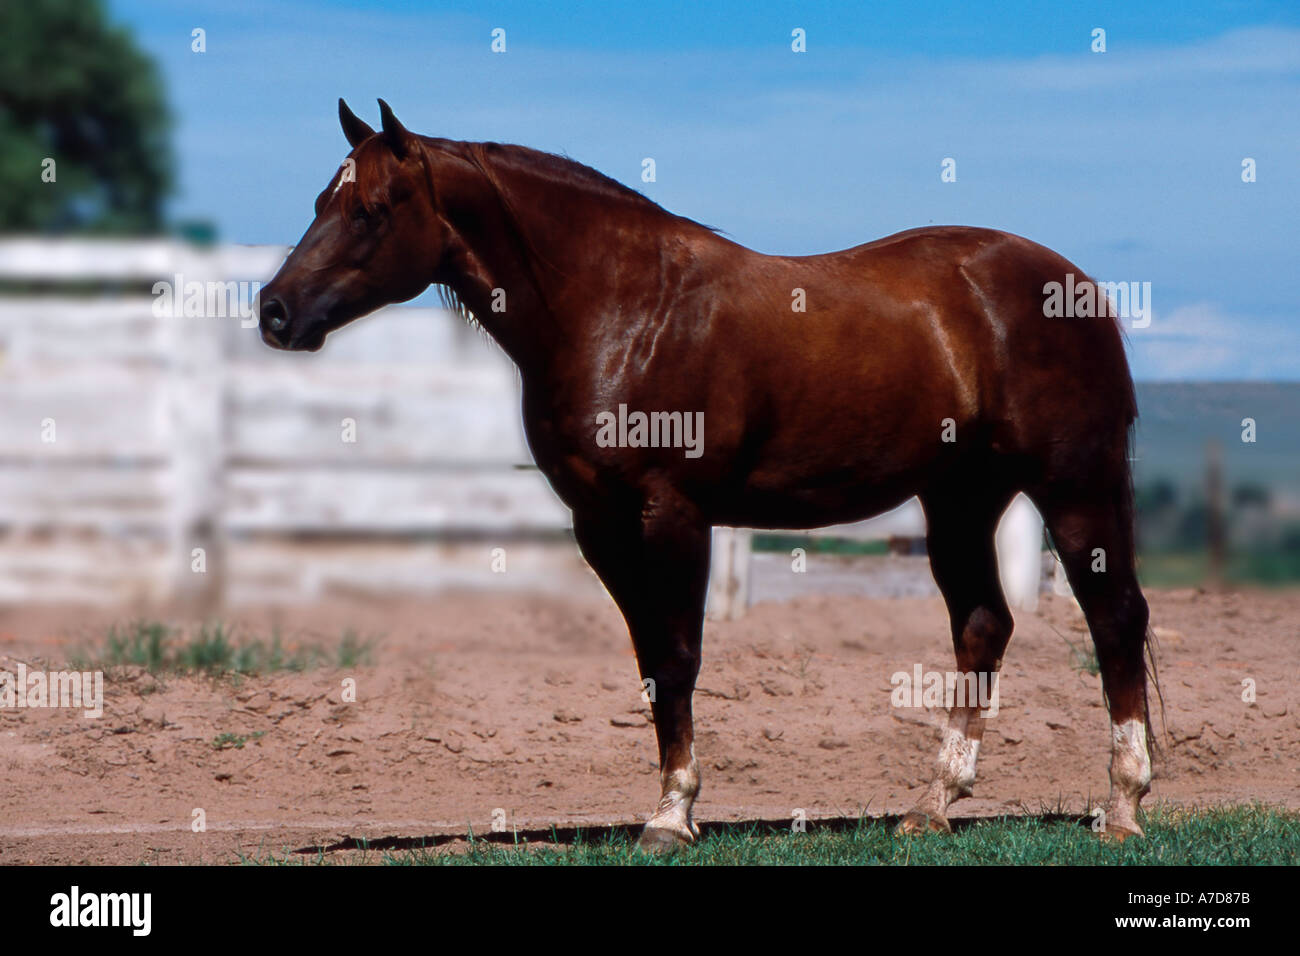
column 1127, row 507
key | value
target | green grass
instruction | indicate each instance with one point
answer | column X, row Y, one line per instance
column 229, row 741
column 1175, row 836
column 353, row 650
column 214, row 650
column 1083, row 657
column 1160, row 569
column 785, row 543
column 1170, row 569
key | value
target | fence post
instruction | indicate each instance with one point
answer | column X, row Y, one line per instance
column 195, row 410
column 729, row 574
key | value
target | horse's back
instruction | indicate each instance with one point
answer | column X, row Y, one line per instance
column 915, row 352
column 991, row 290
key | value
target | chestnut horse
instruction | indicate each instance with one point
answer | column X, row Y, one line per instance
column 833, row 387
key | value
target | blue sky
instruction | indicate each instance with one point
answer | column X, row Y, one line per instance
column 1128, row 162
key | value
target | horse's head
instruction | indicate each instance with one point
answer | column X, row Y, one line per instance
column 375, row 240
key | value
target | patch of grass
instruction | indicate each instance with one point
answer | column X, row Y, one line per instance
column 785, row 543
column 1083, row 657
column 139, row 644
column 212, row 651
column 215, row 650
column 354, row 651
column 1260, row 567
column 229, row 741
column 1175, row 836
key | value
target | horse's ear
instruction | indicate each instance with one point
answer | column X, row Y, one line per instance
column 354, row 127
column 396, row 135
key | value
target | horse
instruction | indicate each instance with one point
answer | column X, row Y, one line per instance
column 833, row 387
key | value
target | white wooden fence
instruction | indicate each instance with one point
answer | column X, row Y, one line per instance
column 128, row 440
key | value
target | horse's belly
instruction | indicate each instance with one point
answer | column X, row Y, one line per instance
column 814, row 503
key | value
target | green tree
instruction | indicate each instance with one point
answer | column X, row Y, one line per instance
column 1251, row 495
column 76, row 89
column 1156, row 497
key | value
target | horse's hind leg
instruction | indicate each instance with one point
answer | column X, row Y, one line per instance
column 1092, row 529
column 963, row 558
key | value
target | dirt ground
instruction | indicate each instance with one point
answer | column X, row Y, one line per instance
column 530, row 709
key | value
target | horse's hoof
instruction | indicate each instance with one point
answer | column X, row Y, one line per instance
column 1118, row 834
column 662, row 840
column 919, row 823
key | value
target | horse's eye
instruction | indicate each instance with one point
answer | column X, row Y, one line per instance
column 360, row 216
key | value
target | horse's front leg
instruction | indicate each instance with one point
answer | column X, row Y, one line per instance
column 655, row 564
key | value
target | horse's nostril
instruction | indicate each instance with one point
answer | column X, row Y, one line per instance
column 274, row 316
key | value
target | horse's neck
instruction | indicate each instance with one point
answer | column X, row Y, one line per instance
column 531, row 284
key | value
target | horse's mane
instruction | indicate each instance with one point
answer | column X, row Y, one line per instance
column 558, row 170
column 495, row 159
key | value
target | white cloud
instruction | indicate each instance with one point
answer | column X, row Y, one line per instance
column 1201, row 340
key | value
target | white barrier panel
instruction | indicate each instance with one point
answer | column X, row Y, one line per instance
column 729, row 574
column 1019, row 542
column 1020, row 561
